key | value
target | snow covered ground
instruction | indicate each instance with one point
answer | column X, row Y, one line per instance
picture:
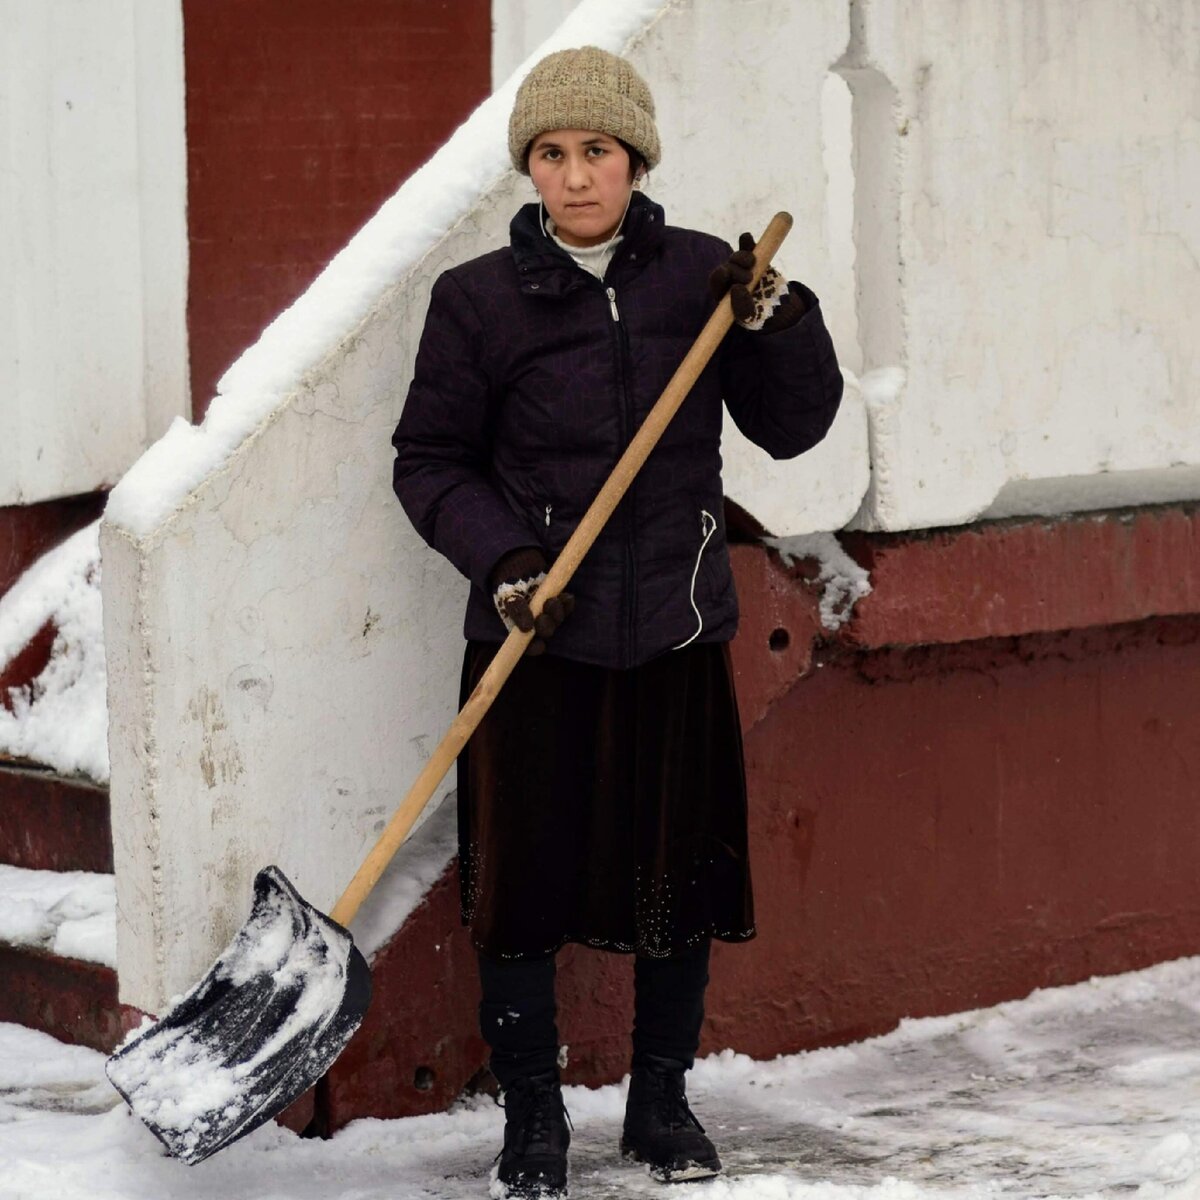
column 69, row 913
column 1084, row 1091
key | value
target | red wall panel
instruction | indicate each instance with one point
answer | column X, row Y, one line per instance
column 27, row 531
column 303, row 116
column 933, row 827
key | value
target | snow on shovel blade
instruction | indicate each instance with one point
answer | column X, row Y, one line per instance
column 261, row 1027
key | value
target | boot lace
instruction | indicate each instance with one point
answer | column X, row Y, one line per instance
column 530, row 1106
column 671, row 1101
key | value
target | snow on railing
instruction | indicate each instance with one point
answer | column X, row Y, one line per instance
column 430, row 203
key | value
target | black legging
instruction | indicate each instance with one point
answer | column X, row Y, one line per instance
column 516, row 1014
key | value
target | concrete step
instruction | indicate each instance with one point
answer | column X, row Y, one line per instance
column 56, row 951
column 69, row 999
column 50, row 823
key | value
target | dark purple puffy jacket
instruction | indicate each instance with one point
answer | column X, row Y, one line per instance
column 530, row 380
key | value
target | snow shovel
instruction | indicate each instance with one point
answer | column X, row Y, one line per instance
column 280, row 1003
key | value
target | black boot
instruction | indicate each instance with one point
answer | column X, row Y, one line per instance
column 660, row 1129
column 533, row 1162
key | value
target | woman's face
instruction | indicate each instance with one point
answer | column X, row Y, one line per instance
column 584, row 178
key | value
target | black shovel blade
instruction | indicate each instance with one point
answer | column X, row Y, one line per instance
column 262, row 1026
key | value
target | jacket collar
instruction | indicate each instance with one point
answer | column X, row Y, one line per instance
column 547, row 269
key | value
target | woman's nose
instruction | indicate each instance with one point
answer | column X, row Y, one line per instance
column 577, row 175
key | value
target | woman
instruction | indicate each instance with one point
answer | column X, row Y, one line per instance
column 602, row 799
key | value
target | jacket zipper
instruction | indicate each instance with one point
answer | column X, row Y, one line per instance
column 626, row 437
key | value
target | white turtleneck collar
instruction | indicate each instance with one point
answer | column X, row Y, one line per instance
column 593, row 259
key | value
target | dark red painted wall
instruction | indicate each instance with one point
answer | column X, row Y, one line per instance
column 1004, row 804
column 945, row 827
column 48, row 823
column 74, row 1001
column 931, row 831
column 302, row 117
column 29, row 531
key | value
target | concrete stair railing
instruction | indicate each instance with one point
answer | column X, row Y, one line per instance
column 283, row 651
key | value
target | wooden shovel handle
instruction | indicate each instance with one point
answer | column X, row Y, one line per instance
column 556, row 580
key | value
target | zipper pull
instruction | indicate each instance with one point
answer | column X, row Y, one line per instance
column 548, row 508
column 612, row 303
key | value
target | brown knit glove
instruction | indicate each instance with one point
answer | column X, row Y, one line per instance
column 770, row 307
column 514, row 580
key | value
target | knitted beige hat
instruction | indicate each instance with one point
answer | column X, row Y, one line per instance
column 587, row 88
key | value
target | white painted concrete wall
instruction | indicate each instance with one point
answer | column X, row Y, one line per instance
column 1028, row 254
column 794, row 146
column 519, row 27
column 93, row 240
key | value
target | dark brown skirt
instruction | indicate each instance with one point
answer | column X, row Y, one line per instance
column 605, row 807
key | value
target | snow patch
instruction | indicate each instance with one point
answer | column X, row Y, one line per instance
column 407, row 226
column 69, row 913
column 41, row 1074
column 419, row 863
column 1160, row 1068
column 882, row 387
column 843, row 582
column 1175, row 1158
column 61, row 719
